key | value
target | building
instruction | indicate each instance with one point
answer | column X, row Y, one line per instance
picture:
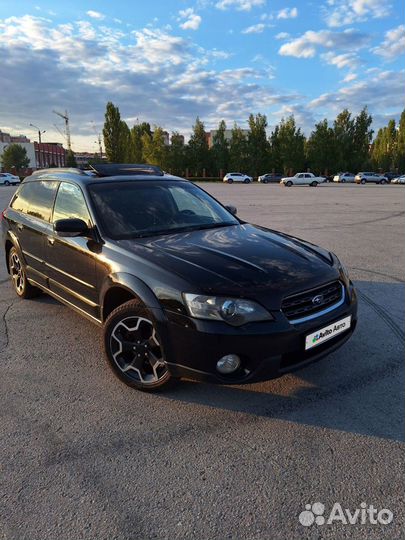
column 228, row 135
column 83, row 158
column 6, row 139
column 49, row 155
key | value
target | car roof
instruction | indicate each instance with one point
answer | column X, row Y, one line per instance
column 80, row 177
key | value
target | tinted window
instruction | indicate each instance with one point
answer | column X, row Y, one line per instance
column 36, row 199
column 133, row 209
column 70, row 203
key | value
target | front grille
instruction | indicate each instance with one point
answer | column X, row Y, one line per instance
column 301, row 305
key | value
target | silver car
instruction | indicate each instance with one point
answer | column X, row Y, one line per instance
column 344, row 177
column 370, row 178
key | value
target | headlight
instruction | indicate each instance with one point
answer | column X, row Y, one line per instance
column 234, row 311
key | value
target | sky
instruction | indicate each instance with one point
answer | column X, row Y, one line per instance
column 167, row 61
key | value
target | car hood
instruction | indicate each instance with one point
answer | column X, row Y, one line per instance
column 243, row 260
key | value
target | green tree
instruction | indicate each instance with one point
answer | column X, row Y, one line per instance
column 154, row 148
column 176, row 154
column 70, row 159
column 115, row 133
column 258, row 145
column 400, row 146
column 343, row 129
column 291, row 143
column 15, row 156
column 320, row 148
column 275, row 162
column 220, row 150
column 238, row 150
column 362, row 136
column 197, row 150
column 136, row 147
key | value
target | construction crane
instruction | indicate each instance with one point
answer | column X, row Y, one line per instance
column 65, row 117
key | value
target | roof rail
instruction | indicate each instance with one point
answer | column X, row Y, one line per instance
column 67, row 170
column 126, row 169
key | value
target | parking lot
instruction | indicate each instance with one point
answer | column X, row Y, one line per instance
column 84, row 456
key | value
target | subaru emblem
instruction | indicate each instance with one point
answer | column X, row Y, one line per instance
column 317, row 300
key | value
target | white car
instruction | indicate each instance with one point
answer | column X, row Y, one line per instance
column 302, row 179
column 399, row 180
column 344, row 177
column 370, row 177
column 237, row 177
column 8, row 179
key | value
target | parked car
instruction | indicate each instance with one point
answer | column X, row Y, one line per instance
column 179, row 284
column 390, row 176
column 344, row 177
column 399, row 180
column 370, row 177
column 237, row 177
column 302, row 179
column 270, row 178
column 8, row 179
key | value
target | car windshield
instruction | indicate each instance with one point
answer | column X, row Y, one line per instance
column 136, row 209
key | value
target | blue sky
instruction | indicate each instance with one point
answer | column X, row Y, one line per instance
column 167, row 61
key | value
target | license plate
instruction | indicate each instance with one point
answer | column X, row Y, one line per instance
column 328, row 332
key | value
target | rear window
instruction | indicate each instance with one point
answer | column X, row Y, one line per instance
column 36, row 199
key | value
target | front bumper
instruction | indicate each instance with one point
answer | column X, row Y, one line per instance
column 267, row 349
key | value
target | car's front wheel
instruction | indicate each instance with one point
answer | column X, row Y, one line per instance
column 289, row 183
column 313, row 184
column 6, row 183
column 19, row 277
column 133, row 347
column 229, row 180
column 362, row 181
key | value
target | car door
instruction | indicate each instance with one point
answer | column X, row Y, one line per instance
column 30, row 213
column 71, row 261
column 300, row 179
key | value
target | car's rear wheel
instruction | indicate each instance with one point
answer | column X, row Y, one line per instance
column 289, row 183
column 19, row 277
column 6, row 183
column 246, row 181
column 133, row 347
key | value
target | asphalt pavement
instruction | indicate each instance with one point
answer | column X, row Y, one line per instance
column 82, row 456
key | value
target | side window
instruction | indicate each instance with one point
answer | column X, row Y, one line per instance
column 40, row 199
column 70, row 203
column 300, row 176
column 20, row 200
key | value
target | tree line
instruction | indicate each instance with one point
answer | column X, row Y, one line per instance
column 344, row 145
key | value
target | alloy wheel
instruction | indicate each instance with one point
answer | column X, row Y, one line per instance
column 136, row 350
column 17, row 273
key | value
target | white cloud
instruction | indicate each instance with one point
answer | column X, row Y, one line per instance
column 254, row 29
column 95, row 15
column 240, row 5
column 287, row 13
column 393, row 44
column 341, row 60
column 307, row 45
column 350, row 77
column 343, row 12
column 282, row 35
column 192, row 20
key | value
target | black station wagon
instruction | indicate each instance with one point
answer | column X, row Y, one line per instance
column 180, row 285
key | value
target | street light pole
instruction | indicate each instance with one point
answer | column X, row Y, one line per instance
column 39, row 132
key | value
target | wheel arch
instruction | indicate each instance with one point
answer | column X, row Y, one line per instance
column 120, row 288
column 11, row 241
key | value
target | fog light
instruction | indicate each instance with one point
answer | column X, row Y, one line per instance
column 228, row 364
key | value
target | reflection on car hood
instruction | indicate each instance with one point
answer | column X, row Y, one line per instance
column 241, row 260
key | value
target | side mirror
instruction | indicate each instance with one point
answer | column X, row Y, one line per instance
column 70, row 227
column 232, row 209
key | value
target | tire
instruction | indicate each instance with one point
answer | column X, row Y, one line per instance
column 22, row 288
column 265, row 181
column 289, row 183
column 6, row 183
column 383, row 181
column 313, row 184
column 362, row 181
column 343, row 181
column 133, row 348
column 230, row 181
column 246, row 181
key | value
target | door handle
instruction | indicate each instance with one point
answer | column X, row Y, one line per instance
column 51, row 240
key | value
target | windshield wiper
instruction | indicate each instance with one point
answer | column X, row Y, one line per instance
column 188, row 228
